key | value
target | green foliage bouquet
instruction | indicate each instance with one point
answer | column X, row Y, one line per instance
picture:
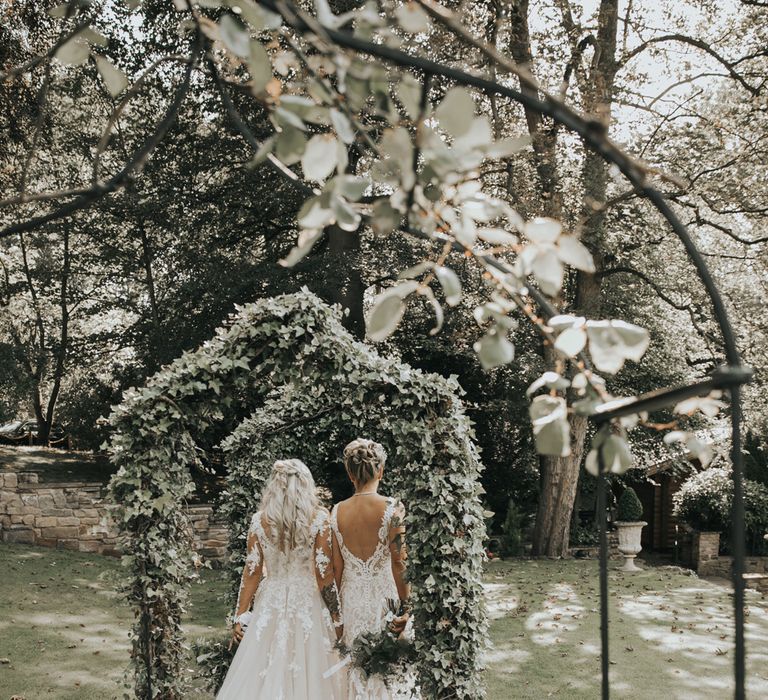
column 213, row 659
column 384, row 653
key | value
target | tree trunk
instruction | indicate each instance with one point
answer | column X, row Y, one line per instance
column 344, row 248
column 559, row 482
column 559, row 477
column 61, row 351
column 147, row 258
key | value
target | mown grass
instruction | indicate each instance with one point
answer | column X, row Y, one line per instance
column 671, row 634
column 63, row 630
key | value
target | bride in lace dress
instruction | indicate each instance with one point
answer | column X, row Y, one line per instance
column 287, row 640
column 369, row 565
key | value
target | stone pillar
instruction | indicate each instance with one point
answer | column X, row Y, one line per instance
column 706, row 548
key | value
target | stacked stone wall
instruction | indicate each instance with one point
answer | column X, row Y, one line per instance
column 75, row 515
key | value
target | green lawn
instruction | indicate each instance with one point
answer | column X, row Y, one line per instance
column 63, row 630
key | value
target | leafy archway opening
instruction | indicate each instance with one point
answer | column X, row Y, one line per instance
column 304, row 386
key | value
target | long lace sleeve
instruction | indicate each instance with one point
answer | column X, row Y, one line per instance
column 252, row 573
column 399, row 553
column 324, row 572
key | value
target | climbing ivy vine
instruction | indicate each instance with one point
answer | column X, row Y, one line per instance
column 303, row 386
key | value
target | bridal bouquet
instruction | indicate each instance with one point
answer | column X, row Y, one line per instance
column 213, row 659
column 386, row 653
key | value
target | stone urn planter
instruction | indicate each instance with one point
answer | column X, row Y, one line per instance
column 629, row 542
column 630, row 527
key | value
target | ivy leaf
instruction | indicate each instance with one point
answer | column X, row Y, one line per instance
column 562, row 321
column 456, row 112
column 709, row 405
column 384, row 217
column 497, row 236
column 409, row 91
column 450, row 283
column 436, row 307
column 477, row 136
column 551, row 380
column 574, row 253
column 319, row 159
column 347, row 218
column 416, row 270
column 94, row 37
column 290, row 145
column 234, row 35
column 412, row 18
column 113, row 77
column 259, row 66
column 506, row 147
column 351, row 187
column 548, row 270
column 305, row 243
column 494, row 350
column 693, row 444
column 551, row 431
column 315, row 213
column 613, row 342
column 263, row 153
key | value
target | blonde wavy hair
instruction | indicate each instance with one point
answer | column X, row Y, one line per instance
column 289, row 503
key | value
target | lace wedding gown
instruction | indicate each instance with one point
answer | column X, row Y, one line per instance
column 366, row 586
column 288, row 643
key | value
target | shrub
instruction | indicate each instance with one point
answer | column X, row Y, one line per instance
column 756, row 516
column 704, row 500
column 630, row 508
column 511, row 542
column 585, row 535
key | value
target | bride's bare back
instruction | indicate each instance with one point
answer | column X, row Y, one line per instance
column 359, row 519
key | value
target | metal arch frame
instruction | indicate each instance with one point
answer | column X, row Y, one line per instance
column 728, row 377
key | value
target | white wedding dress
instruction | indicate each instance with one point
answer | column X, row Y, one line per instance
column 288, row 644
column 366, row 587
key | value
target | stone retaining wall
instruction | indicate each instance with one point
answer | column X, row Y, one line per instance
column 74, row 515
column 755, row 570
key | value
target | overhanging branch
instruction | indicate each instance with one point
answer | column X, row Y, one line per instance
column 133, row 166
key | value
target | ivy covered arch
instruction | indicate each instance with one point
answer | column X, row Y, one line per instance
column 304, row 386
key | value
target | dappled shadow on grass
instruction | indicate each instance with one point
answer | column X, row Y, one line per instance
column 66, row 633
column 560, row 614
column 671, row 634
column 693, row 626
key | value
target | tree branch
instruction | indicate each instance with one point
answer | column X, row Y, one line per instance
column 33, row 62
column 699, row 44
column 132, row 167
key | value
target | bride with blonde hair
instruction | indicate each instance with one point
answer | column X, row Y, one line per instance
column 287, row 616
